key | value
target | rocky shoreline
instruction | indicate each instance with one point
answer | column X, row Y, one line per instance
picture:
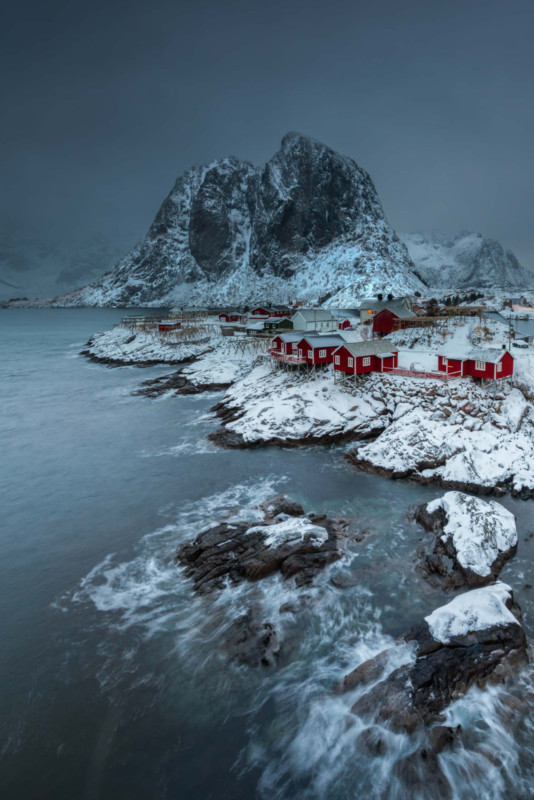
column 178, row 383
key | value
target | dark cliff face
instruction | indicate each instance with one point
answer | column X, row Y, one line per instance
column 308, row 196
column 221, row 217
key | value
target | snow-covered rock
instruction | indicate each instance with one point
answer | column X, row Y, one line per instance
column 469, row 445
column 475, row 535
column 270, row 405
column 124, row 346
column 467, row 260
column 297, row 546
column 477, row 610
column 307, row 225
column 475, row 638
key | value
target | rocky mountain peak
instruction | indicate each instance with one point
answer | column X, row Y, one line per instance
column 308, row 223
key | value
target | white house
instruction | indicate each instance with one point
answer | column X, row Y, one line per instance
column 314, row 319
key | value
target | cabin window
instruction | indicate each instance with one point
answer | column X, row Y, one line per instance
column 366, row 361
column 445, row 362
column 322, row 353
column 350, row 362
column 300, row 353
column 336, row 360
column 499, row 367
column 310, row 354
column 481, row 365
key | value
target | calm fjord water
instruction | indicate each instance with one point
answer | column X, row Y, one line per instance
column 113, row 681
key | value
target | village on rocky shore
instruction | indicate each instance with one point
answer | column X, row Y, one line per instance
column 291, row 379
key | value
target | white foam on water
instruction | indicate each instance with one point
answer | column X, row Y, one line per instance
column 189, row 447
column 310, row 746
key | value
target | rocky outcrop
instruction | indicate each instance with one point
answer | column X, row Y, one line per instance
column 474, row 639
column 472, row 540
column 139, row 348
column 309, row 223
column 290, row 543
column 178, row 383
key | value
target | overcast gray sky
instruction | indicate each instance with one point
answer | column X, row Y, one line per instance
column 105, row 103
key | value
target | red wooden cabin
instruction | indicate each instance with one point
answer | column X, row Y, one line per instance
column 168, row 325
column 284, row 347
column 389, row 320
column 230, row 316
column 488, row 363
column 270, row 311
column 358, row 358
column 318, row 349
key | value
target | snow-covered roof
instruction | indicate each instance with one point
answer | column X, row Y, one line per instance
column 371, row 348
column 491, row 355
column 346, row 313
column 275, row 320
column 256, row 326
column 289, row 336
column 379, row 305
column 315, row 314
column 399, row 310
column 323, row 340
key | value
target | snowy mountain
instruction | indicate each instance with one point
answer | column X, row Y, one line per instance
column 466, row 261
column 33, row 267
column 309, row 225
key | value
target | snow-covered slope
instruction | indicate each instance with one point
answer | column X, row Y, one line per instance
column 467, row 260
column 306, row 226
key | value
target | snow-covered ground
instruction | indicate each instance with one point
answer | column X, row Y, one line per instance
column 126, row 346
column 479, row 531
column 229, row 359
column 274, row 404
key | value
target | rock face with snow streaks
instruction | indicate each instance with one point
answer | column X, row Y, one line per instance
column 290, row 543
column 308, row 223
column 473, row 539
column 467, row 260
column 475, row 638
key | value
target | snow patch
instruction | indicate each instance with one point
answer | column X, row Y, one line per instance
column 480, row 530
column 293, row 529
column 476, row 610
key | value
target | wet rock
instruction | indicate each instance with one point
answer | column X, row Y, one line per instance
column 281, row 504
column 373, row 740
column 474, row 639
column 472, row 540
column 294, row 546
column 252, row 642
column 442, row 737
column 178, row 383
column 421, row 774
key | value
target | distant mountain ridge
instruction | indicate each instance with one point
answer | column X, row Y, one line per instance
column 308, row 225
column 31, row 266
column 465, row 261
